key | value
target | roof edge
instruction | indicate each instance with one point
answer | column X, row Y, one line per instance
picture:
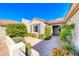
column 74, row 8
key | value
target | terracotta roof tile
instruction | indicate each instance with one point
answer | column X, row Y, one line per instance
column 8, row 22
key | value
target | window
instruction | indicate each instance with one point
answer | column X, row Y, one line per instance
column 35, row 28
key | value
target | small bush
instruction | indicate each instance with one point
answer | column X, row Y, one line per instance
column 66, row 32
column 16, row 30
column 66, row 46
column 31, row 35
column 2, row 25
column 28, row 48
column 48, row 37
column 18, row 39
column 47, row 32
column 41, row 36
column 60, row 52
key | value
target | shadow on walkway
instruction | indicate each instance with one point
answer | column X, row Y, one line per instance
column 44, row 47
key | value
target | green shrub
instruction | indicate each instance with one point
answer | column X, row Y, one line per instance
column 68, row 26
column 18, row 39
column 66, row 36
column 71, row 48
column 75, row 50
column 2, row 25
column 16, row 30
column 48, row 32
column 47, row 37
column 66, row 32
column 28, row 48
column 41, row 36
column 31, row 35
column 66, row 46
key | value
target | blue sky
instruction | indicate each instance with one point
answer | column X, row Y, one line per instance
column 46, row 11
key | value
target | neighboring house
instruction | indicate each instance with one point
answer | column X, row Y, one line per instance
column 72, row 17
column 37, row 25
column 5, row 22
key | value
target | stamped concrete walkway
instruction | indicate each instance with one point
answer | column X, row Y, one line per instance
column 44, row 47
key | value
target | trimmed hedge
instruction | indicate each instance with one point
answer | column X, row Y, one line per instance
column 16, row 30
column 48, row 37
column 18, row 39
column 48, row 32
column 66, row 46
column 28, row 49
column 31, row 35
column 41, row 36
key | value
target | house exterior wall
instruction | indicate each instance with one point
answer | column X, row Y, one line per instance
column 55, row 25
column 27, row 23
column 34, row 21
column 75, row 20
column 42, row 25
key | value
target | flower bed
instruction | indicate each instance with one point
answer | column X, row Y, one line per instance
column 60, row 52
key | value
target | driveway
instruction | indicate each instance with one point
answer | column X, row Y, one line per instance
column 44, row 47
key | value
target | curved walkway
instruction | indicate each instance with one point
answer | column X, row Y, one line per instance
column 44, row 47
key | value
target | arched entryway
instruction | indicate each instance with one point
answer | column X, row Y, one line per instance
column 56, row 30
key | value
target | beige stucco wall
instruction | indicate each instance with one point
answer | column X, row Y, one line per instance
column 15, row 49
column 42, row 25
column 27, row 23
column 75, row 20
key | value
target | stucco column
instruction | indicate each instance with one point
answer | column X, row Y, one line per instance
column 76, row 40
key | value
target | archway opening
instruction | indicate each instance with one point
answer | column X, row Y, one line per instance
column 56, row 30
